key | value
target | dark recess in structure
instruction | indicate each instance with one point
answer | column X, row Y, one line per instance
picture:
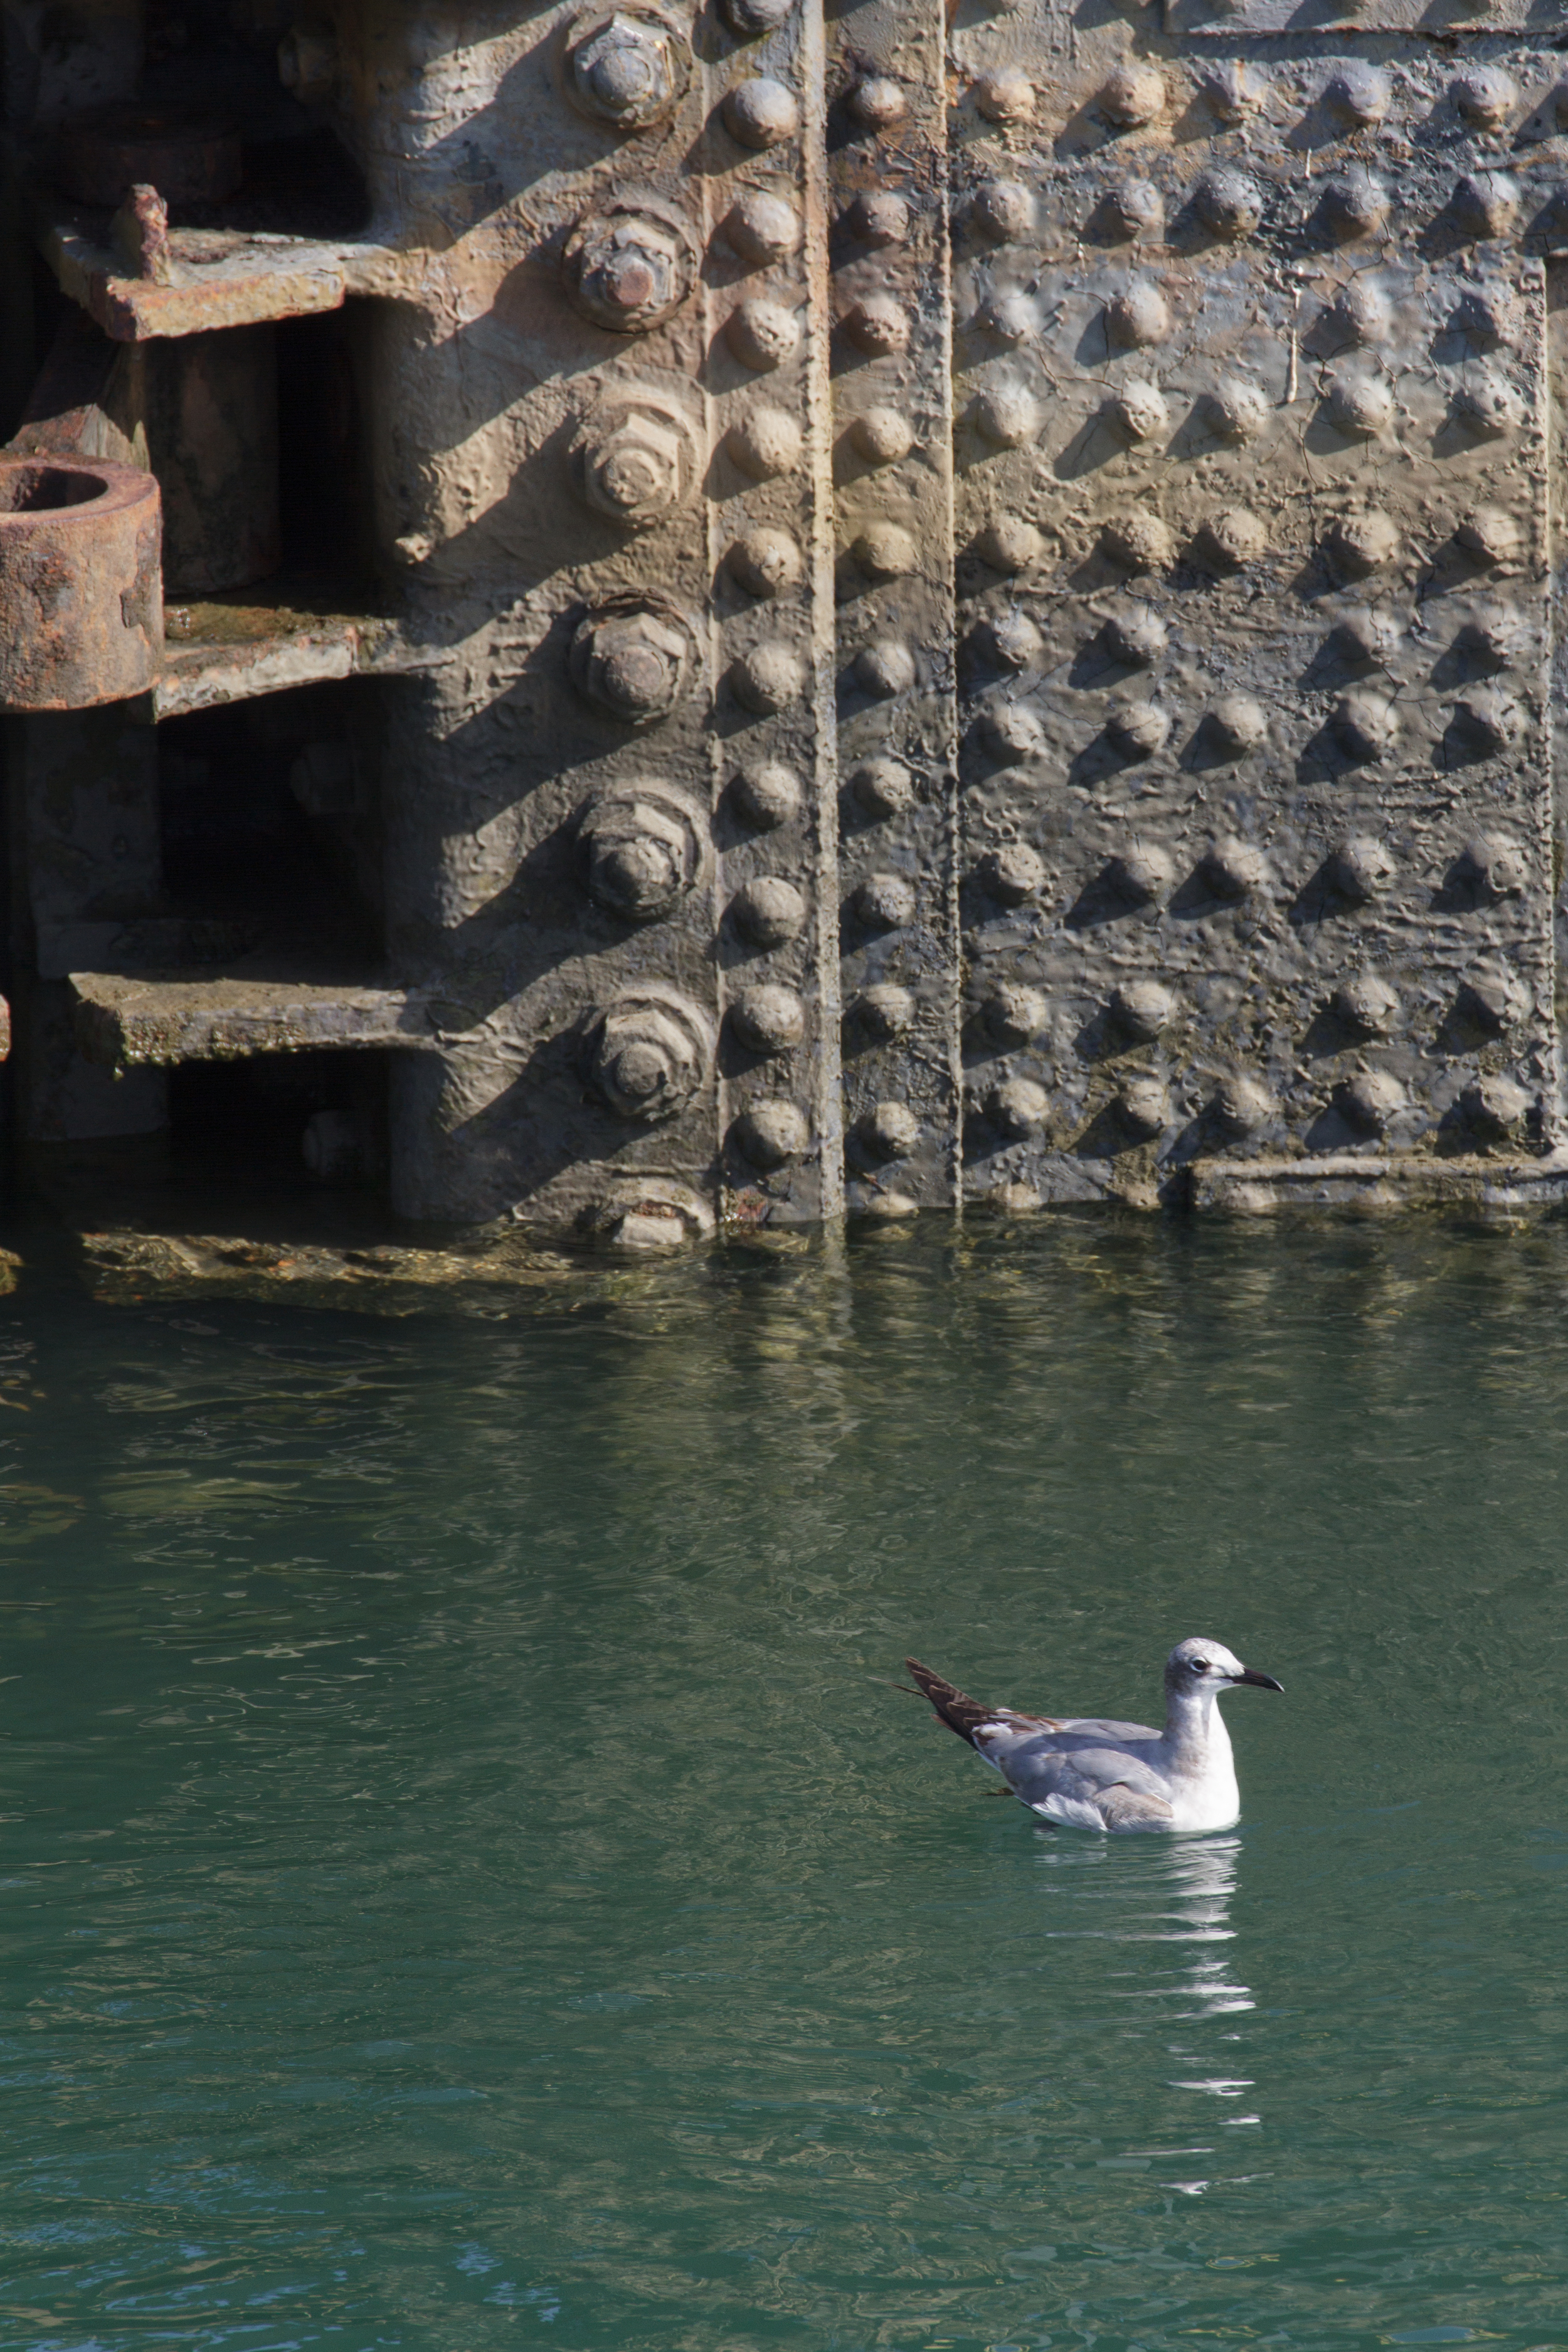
column 288, row 1122
column 266, row 814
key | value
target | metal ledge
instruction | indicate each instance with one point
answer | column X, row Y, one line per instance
column 124, row 1020
column 1259, row 1187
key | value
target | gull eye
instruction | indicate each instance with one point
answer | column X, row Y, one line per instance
column 1200, row 1666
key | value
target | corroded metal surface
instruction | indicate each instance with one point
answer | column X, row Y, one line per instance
column 963, row 608
column 80, row 606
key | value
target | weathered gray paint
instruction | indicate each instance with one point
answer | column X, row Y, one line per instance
column 966, row 614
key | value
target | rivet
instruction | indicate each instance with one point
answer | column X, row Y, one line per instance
column 1013, row 730
column 882, row 788
column 766, row 562
column 1008, row 1200
column 1486, row 204
column 1236, row 412
column 1010, row 317
column 1367, row 635
column 1137, row 317
column 762, row 334
column 1018, row 1107
column 767, row 795
column 1485, row 95
column 1491, row 869
column 1012, row 874
column 1143, row 1107
column 1231, row 867
column 1138, row 729
column 1009, row 545
column 1011, row 640
column 763, row 227
column 768, row 1020
column 760, row 113
column 1366, row 1005
column 878, row 326
column 1489, row 718
column 878, row 217
column 769, row 912
column 1488, row 318
column 640, row 845
column 751, row 17
column 1137, row 542
column 877, row 102
column 1362, row 543
column 1354, row 206
column 888, row 1130
column 1365, row 725
column 1241, row 1103
column 886, row 1206
column 885, row 1011
column 885, row 902
column 1137, row 638
column 1360, row 313
column 1238, row 723
column 1132, row 97
column 1229, row 203
column 1137, row 413
column 1490, row 535
column 1002, row 211
column 1013, row 1015
column 1488, row 403
column 1496, row 1109
column 1371, row 1101
column 765, row 442
column 768, row 678
column 1359, row 94
column 1233, row 538
column 1235, row 92
column 1140, row 875
column 1134, row 210
column 1142, row 1010
column 1360, row 406
column 649, row 1053
column 886, row 550
column 1489, row 1000
column 886, row 667
column 882, row 435
column 771, row 1133
column 1359, row 868
column 1005, row 96
column 1006, row 416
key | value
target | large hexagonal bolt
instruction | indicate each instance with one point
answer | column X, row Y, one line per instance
column 633, row 657
column 627, row 66
column 635, row 457
column 626, row 267
column 650, row 1055
column 641, row 848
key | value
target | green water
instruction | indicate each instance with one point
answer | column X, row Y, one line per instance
column 468, row 1882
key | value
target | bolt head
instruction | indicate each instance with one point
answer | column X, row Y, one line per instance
column 641, row 849
column 632, row 664
column 626, row 270
column 885, row 902
column 636, row 465
column 649, row 1055
column 628, row 69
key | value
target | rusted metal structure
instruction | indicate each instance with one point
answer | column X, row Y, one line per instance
column 762, row 613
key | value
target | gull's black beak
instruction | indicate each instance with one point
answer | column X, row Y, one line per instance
column 1260, row 1682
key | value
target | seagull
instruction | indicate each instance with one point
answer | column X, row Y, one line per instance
column 1091, row 1774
